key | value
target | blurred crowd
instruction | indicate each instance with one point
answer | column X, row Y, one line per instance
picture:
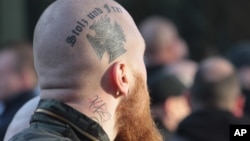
column 189, row 99
column 194, row 101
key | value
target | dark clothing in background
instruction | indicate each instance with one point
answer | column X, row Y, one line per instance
column 166, row 134
column 207, row 125
column 163, row 86
column 54, row 121
column 152, row 71
column 10, row 108
column 247, row 102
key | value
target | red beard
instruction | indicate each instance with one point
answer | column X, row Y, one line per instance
column 134, row 120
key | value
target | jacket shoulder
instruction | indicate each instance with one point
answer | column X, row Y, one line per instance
column 37, row 135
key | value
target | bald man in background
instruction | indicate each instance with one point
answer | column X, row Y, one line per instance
column 216, row 102
column 164, row 46
column 163, row 43
column 89, row 60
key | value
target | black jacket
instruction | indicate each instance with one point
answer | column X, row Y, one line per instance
column 11, row 107
column 207, row 125
column 56, row 121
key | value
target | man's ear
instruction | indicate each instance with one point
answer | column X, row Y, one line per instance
column 170, row 106
column 239, row 108
column 120, row 78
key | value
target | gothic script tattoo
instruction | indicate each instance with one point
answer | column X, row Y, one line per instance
column 99, row 108
column 83, row 23
column 108, row 37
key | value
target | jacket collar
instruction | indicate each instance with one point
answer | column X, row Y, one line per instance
column 78, row 121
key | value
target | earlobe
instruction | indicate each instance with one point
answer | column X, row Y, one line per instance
column 120, row 77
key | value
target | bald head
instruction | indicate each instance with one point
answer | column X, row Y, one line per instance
column 216, row 68
column 163, row 44
column 75, row 42
column 215, row 84
column 152, row 30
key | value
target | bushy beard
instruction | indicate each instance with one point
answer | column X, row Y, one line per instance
column 134, row 120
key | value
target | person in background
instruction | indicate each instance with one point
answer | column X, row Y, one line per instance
column 169, row 102
column 163, row 43
column 184, row 70
column 239, row 55
column 216, row 102
column 164, row 46
column 18, row 80
column 92, row 75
